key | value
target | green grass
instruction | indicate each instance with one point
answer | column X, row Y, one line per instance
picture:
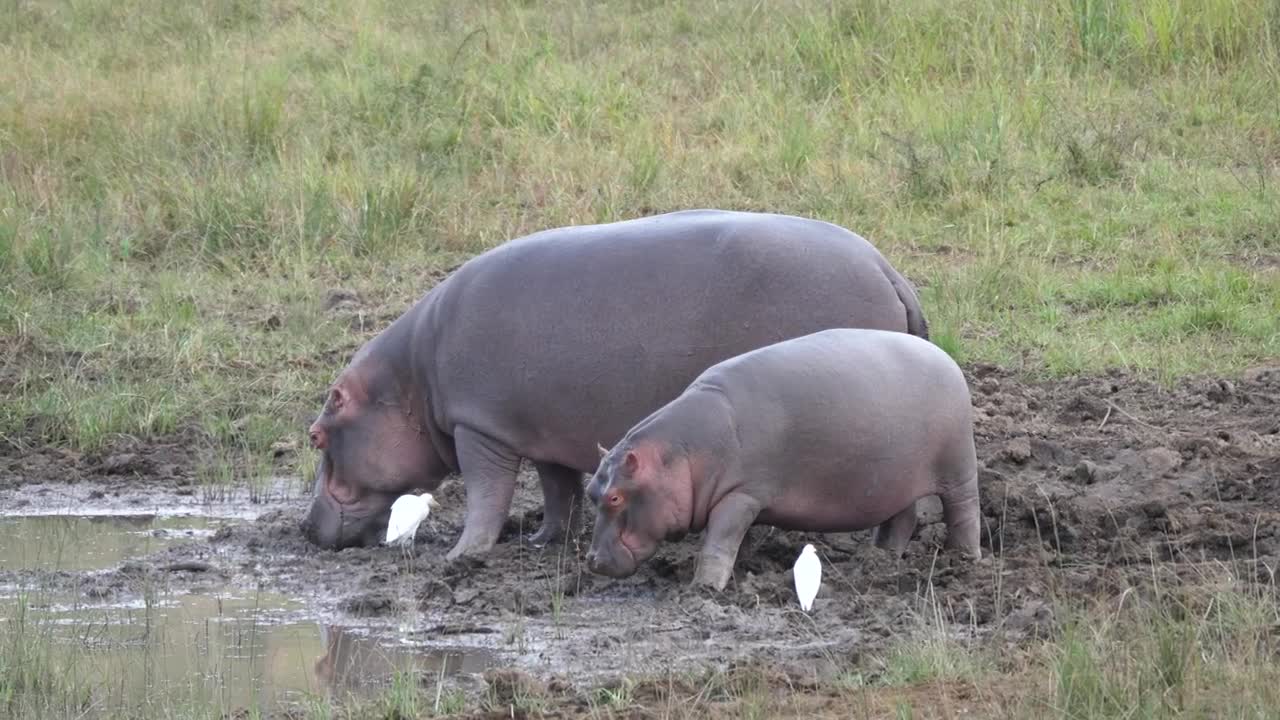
column 1093, row 185
column 1205, row 654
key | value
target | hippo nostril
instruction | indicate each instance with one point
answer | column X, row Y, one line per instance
column 316, row 440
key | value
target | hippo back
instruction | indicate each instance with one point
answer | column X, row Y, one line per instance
column 563, row 339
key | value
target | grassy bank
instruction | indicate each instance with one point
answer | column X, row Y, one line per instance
column 1076, row 184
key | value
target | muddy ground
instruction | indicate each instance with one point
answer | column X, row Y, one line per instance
column 1084, row 484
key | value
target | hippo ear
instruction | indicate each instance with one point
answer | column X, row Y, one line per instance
column 631, row 462
column 602, row 450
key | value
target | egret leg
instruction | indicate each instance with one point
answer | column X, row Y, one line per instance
column 406, row 551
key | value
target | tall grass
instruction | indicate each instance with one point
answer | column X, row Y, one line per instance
column 1199, row 654
column 173, row 175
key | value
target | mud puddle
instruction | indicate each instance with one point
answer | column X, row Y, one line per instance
column 79, row 591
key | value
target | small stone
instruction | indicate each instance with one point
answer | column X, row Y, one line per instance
column 368, row 604
column 339, row 297
column 1086, row 472
column 1018, row 450
column 122, row 463
column 508, row 686
column 1030, row 618
column 1161, row 460
column 1218, row 391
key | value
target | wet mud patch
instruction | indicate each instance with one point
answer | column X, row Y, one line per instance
column 1084, row 484
column 1089, row 488
column 126, row 464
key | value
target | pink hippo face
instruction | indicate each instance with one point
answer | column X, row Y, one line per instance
column 372, row 451
column 635, row 490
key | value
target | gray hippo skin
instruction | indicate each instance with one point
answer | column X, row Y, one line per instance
column 550, row 344
column 836, row 431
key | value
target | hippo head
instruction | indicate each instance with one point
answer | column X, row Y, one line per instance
column 374, row 448
column 636, row 493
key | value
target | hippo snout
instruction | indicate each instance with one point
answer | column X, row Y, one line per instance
column 612, row 560
column 596, row 565
column 331, row 527
column 326, row 528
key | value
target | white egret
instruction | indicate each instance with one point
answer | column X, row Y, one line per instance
column 808, row 576
column 407, row 512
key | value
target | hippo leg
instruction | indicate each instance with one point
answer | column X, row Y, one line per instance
column 894, row 534
column 727, row 525
column 960, row 512
column 489, row 475
column 562, row 502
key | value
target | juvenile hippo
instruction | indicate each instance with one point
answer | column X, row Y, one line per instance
column 835, row 431
column 552, row 343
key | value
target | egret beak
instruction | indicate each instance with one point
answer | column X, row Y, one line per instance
column 431, row 502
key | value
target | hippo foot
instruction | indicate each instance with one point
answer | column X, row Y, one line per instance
column 708, row 593
column 968, row 555
column 546, row 535
column 461, row 566
column 715, row 570
column 468, row 550
column 714, row 580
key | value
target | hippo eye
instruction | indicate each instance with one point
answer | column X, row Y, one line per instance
column 614, row 499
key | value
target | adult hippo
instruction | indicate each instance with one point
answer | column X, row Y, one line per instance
column 554, row 343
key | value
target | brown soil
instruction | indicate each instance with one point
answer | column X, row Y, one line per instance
column 1089, row 487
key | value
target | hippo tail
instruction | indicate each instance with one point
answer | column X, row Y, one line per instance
column 916, row 324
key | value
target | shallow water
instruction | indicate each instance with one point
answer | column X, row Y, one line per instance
column 218, row 647
column 91, row 542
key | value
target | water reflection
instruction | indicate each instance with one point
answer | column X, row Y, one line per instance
column 354, row 663
column 226, row 648
column 222, row 651
column 61, row 542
